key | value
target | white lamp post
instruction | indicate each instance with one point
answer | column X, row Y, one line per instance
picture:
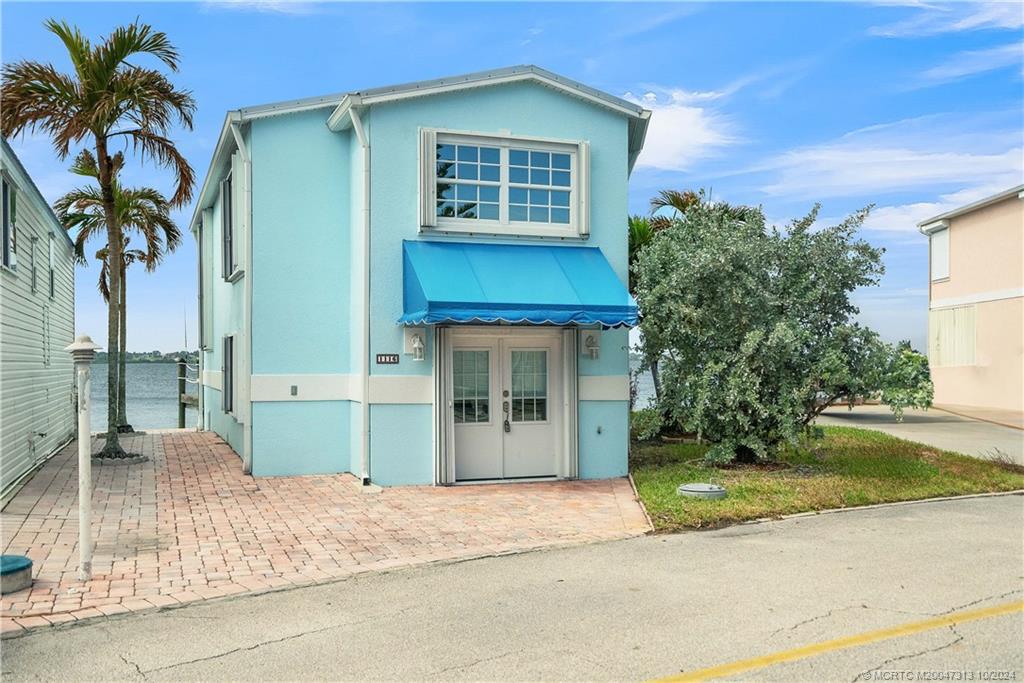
column 82, row 353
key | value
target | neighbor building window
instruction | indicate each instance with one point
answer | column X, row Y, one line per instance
column 939, row 241
column 952, row 336
column 33, row 268
column 228, row 375
column 53, row 268
column 9, row 203
column 503, row 185
column 227, row 229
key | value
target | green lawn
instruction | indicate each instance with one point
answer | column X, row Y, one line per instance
column 847, row 468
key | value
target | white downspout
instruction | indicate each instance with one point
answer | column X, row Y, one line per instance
column 364, row 142
column 236, row 131
column 202, row 333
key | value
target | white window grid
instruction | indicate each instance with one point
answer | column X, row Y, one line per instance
column 554, row 207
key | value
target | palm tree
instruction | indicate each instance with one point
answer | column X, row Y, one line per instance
column 143, row 211
column 677, row 200
column 106, row 100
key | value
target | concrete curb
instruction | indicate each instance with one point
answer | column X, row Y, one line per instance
column 979, row 419
column 876, row 506
column 640, row 502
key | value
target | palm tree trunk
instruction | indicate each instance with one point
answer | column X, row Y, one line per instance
column 112, row 449
column 122, row 419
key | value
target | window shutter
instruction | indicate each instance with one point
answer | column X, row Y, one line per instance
column 239, row 216
column 53, row 284
column 14, row 226
column 428, row 186
column 228, row 375
column 583, row 182
column 227, row 239
column 940, row 254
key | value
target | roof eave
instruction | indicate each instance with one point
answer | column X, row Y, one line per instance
column 483, row 79
column 224, row 141
column 1017, row 190
column 35, row 190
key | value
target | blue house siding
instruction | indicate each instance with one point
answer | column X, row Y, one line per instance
column 301, row 246
column 300, row 437
column 523, row 110
column 302, row 290
column 402, row 445
column 307, row 289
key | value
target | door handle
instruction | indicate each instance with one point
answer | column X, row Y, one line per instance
column 504, row 408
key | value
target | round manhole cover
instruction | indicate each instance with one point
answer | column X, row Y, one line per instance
column 710, row 491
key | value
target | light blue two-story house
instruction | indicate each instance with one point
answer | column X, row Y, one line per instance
column 422, row 283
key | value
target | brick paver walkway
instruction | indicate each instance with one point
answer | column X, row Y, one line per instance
column 187, row 525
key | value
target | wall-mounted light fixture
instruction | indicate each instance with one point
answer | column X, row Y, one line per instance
column 416, row 342
column 417, row 347
column 592, row 343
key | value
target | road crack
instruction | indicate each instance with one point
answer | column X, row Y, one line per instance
column 865, row 675
column 275, row 641
column 132, row 664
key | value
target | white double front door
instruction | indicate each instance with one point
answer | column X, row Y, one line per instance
column 506, row 403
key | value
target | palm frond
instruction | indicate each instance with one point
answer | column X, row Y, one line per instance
column 134, row 39
column 164, row 153
column 38, row 97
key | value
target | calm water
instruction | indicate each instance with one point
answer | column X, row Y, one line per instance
column 645, row 386
column 152, row 396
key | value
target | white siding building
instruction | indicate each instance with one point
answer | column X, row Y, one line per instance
column 37, row 318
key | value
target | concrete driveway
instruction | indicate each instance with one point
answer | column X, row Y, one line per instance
column 936, row 428
column 628, row 610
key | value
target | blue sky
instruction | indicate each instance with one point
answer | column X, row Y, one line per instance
column 912, row 106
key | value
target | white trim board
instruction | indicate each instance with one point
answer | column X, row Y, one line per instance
column 979, row 298
column 603, row 387
column 415, row 389
column 213, row 379
column 311, row 387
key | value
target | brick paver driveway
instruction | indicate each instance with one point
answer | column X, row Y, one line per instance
column 187, row 525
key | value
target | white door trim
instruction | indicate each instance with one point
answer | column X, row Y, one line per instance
column 444, row 442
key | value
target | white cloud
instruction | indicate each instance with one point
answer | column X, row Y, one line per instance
column 972, row 62
column 935, row 19
column 940, row 153
column 681, row 133
column 905, row 217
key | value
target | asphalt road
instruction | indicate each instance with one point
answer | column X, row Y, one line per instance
column 936, row 428
column 628, row 610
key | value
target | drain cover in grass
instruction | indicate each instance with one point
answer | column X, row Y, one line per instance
column 709, row 491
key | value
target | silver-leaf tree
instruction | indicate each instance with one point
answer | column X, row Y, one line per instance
column 752, row 327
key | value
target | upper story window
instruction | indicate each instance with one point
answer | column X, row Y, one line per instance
column 503, row 185
column 939, row 241
column 8, row 206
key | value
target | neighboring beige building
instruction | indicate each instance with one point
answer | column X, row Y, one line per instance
column 976, row 303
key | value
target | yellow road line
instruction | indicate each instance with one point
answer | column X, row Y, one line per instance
column 842, row 643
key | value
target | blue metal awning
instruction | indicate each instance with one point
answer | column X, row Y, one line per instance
column 460, row 282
